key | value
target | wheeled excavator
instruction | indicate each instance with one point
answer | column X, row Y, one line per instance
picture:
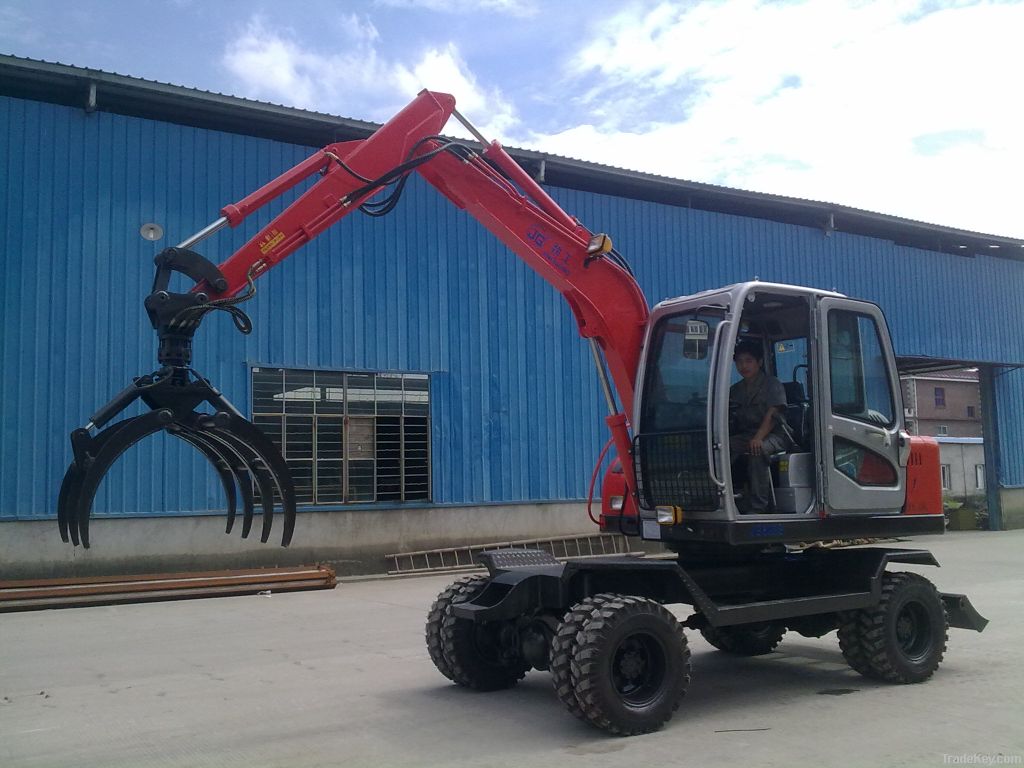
column 617, row 656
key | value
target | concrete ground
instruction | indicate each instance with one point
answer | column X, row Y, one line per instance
column 342, row 678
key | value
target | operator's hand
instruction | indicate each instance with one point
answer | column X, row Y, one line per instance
column 755, row 446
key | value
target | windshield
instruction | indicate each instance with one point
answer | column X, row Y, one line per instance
column 676, row 386
column 670, row 454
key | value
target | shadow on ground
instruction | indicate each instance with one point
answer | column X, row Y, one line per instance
column 726, row 693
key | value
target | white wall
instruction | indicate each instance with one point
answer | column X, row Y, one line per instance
column 962, row 457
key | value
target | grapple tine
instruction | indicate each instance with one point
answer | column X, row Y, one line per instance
column 248, row 501
column 112, row 441
column 237, row 464
column 85, row 447
column 268, row 518
column 289, row 520
column 253, row 463
column 71, row 480
column 265, row 483
column 269, row 453
column 219, row 463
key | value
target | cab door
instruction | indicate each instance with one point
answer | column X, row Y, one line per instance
column 860, row 410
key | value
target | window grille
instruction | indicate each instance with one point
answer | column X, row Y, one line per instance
column 940, row 397
column 348, row 437
column 947, row 476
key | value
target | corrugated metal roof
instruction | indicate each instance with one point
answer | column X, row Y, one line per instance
column 950, row 375
column 123, row 94
column 137, row 97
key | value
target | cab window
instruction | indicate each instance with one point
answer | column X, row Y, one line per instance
column 675, row 392
column 860, row 384
column 790, row 357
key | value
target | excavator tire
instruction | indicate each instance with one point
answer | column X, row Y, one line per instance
column 746, row 640
column 631, row 667
column 478, row 655
column 850, row 644
column 903, row 638
column 563, row 649
column 435, row 617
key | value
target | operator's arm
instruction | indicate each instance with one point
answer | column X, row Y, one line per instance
column 767, row 425
column 775, row 402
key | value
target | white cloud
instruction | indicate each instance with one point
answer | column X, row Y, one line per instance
column 270, row 63
column 360, row 82
column 443, row 70
column 865, row 82
column 519, row 8
column 359, row 29
column 270, row 66
column 874, row 105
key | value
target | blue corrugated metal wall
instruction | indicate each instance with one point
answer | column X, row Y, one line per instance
column 1010, row 399
column 515, row 406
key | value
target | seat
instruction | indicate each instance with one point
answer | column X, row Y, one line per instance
column 798, row 414
column 797, row 417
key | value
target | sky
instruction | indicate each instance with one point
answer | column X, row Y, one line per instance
column 911, row 108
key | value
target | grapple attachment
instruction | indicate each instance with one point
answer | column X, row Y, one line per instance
column 249, row 465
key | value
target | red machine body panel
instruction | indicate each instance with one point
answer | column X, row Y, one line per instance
column 924, row 481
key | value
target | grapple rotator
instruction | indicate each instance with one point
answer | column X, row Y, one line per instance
column 186, row 405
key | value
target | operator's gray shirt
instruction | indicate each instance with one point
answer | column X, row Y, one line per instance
column 750, row 400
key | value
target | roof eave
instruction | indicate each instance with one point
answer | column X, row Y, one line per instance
column 105, row 91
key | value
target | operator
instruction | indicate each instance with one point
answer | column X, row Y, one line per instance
column 756, row 430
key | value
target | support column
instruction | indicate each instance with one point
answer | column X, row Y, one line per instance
column 990, row 428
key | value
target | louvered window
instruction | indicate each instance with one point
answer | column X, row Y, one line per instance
column 348, row 437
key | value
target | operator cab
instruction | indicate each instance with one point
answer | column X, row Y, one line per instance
column 844, row 451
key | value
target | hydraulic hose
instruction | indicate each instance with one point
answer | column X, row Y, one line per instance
column 593, row 481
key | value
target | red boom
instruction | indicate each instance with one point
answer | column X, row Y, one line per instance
column 605, row 299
